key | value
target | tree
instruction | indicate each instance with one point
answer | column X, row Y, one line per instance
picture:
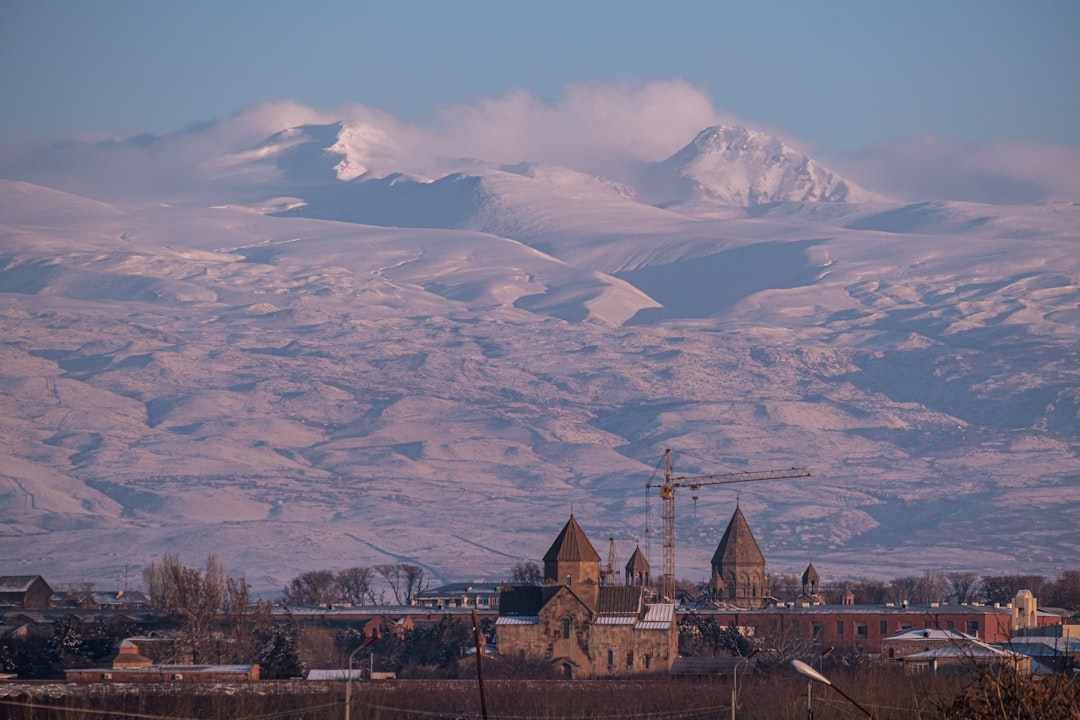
column 354, row 585
column 1063, row 593
column 392, row 575
column 1003, row 588
column 414, row 581
column 526, row 572
column 316, row 587
column 191, row 596
column 962, row 585
column 279, row 657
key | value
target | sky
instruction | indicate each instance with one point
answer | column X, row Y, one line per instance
column 957, row 100
column 839, row 75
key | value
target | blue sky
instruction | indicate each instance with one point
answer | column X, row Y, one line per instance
column 838, row 75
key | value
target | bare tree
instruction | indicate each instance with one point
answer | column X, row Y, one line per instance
column 392, row 575
column 962, row 585
column 192, row 596
column 354, row 585
column 414, row 581
column 526, row 572
column 316, row 587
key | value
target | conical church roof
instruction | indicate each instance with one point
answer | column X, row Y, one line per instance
column 571, row 546
column 738, row 545
column 810, row 575
column 638, row 563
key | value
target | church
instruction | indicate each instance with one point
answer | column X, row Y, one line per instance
column 584, row 629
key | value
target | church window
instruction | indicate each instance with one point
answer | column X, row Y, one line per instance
column 566, row 629
column 610, row 659
column 630, row 659
column 648, row 660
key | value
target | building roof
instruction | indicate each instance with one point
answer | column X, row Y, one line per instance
column 521, row 600
column 810, row 575
column 619, row 600
column 571, row 546
column 658, row 616
column 940, row 634
column 967, row 649
column 738, row 545
column 637, row 562
column 461, row 589
column 18, row 583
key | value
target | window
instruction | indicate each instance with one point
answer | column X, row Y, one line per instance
column 883, row 628
column 630, row 659
column 648, row 660
column 566, row 629
column 610, row 659
column 861, row 631
column 973, row 628
column 840, row 628
column 905, row 626
column 927, row 624
column 948, row 624
column 819, row 630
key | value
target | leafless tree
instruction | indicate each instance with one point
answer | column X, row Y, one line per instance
column 316, row 587
column 354, row 585
column 526, row 572
column 414, row 581
column 962, row 585
column 393, row 577
column 192, row 596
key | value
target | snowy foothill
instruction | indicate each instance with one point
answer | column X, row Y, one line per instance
column 297, row 357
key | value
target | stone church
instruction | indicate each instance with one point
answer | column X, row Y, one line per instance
column 582, row 628
column 738, row 568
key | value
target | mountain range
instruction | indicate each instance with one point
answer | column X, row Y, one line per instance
column 303, row 357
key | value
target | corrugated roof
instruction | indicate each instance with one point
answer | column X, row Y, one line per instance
column 571, row 546
column 659, row 612
column 517, row 620
column 615, row 620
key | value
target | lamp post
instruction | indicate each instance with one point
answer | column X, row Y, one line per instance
column 348, row 678
column 804, row 669
column 735, row 680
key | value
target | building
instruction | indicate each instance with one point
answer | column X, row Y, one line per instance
column 581, row 628
column 910, row 642
column 864, row 627
column 965, row 655
column 28, row 592
column 480, row 595
column 738, row 568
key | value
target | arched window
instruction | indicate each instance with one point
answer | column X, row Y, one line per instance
column 567, row 671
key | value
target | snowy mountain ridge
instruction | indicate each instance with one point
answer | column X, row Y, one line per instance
column 358, row 371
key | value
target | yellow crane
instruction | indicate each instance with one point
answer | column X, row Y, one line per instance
column 670, row 482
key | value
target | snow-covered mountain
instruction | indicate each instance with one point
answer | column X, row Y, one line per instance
column 736, row 166
column 334, row 364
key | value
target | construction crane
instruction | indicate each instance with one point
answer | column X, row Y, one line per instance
column 667, row 488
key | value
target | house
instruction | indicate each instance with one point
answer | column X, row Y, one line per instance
column 28, row 592
column 578, row 626
column 962, row 655
column 909, row 642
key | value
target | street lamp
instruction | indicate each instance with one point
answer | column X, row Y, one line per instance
column 804, row 669
column 735, row 680
column 348, row 678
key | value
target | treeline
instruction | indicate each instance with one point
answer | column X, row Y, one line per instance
column 354, row 586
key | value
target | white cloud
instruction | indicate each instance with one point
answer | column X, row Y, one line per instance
column 604, row 129
column 1005, row 171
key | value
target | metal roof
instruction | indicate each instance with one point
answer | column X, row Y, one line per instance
column 517, row 620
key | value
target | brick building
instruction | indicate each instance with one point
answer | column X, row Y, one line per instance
column 863, row 627
column 29, row 592
column 581, row 628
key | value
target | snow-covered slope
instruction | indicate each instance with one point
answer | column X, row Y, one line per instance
column 297, row 392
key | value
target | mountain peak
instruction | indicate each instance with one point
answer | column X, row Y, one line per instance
column 734, row 165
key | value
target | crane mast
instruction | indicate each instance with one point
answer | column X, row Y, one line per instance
column 667, row 488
